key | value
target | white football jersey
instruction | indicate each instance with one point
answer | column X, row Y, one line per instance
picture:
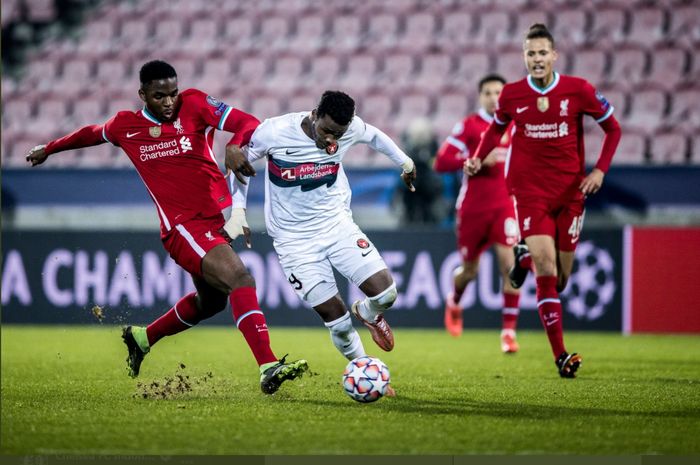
column 306, row 189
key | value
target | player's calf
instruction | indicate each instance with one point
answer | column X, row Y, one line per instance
column 345, row 338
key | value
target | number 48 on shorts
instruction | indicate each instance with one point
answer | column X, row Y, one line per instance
column 575, row 228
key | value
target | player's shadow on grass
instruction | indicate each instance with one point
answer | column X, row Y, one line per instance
column 463, row 407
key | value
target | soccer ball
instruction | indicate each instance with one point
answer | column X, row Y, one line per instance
column 366, row 379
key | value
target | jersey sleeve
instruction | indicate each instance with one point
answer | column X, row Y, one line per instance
column 109, row 133
column 593, row 103
column 502, row 115
column 260, row 141
column 379, row 141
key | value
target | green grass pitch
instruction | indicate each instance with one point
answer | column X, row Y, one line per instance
column 65, row 391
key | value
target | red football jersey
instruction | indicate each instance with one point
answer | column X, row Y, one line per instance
column 547, row 154
column 175, row 159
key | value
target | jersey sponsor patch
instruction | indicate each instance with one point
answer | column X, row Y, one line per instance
column 307, row 175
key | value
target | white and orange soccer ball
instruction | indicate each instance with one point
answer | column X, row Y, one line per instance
column 366, row 379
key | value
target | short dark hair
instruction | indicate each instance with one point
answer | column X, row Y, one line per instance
column 491, row 78
column 338, row 105
column 539, row 31
column 154, row 71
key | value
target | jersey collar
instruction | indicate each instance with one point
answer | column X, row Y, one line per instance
column 146, row 114
column 485, row 115
column 551, row 86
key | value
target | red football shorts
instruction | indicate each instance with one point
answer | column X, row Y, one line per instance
column 188, row 242
column 477, row 230
column 561, row 219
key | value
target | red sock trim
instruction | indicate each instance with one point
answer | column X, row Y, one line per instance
column 181, row 316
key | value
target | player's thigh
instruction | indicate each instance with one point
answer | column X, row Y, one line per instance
column 354, row 255
column 535, row 218
column 473, row 232
column 188, row 242
column 543, row 253
column 306, row 266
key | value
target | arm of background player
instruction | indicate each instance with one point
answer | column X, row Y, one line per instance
column 451, row 156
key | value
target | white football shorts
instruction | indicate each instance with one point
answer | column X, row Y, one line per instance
column 309, row 262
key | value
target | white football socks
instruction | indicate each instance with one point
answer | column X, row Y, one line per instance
column 345, row 338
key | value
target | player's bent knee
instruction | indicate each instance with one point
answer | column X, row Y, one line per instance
column 321, row 293
column 386, row 298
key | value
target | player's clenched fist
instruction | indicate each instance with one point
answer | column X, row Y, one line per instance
column 472, row 166
column 37, row 155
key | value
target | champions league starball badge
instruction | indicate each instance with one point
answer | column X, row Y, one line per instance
column 331, row 149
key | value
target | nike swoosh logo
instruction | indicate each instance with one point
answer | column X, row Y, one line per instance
column 288, row 152
column 574, row 239
column 520, row 110
column 129, row 135
column 364, row 254
column 551, row 322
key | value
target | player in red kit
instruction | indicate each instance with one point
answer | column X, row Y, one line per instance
column 169, row 142
column 546, row 171
column 485, row 211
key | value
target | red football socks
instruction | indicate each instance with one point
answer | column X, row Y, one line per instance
column 251, row 322
column 549, row 306
column 179, row 318
column 510, row 311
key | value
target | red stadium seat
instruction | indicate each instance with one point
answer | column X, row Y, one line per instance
column 360, row 73
column 302, row 101
column 646, row 27
column 217, row 67
column 523, row 21
column 667, row 67
column 669, row 148
column 684, row 27
column 457, row 28
column 187, row 69
column 411, row 106
column 511, row 65
column 685, row 109
column 273, row 35
column 632, row 149
column 570, row 28
column 310, row 33
column 593, row 141
column 251, row 69
column 286, row 73
column 382, row 31
column 399, row 71
column 418, row 32
column 647, row 110
column 375, row 108
column 451, row 107
column 608, row 27
column 590, row 64
column 346, row 33
column 324, row 70
column 494, row 29
column 88, row 110
column 435, row 71
column 265, row 106
column 205, row 36
column 627, row 67
column 471, row 67
column 695, row 149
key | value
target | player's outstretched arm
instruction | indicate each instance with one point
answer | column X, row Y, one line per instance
column 380, row 142
column 83, row 137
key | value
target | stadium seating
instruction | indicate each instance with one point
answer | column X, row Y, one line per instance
column 399, row 59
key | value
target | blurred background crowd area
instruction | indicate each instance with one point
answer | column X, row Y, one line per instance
column 68, row 63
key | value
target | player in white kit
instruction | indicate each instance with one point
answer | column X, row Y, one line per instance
column 307, row 213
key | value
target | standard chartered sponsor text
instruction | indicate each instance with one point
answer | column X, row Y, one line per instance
column 159, row 150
